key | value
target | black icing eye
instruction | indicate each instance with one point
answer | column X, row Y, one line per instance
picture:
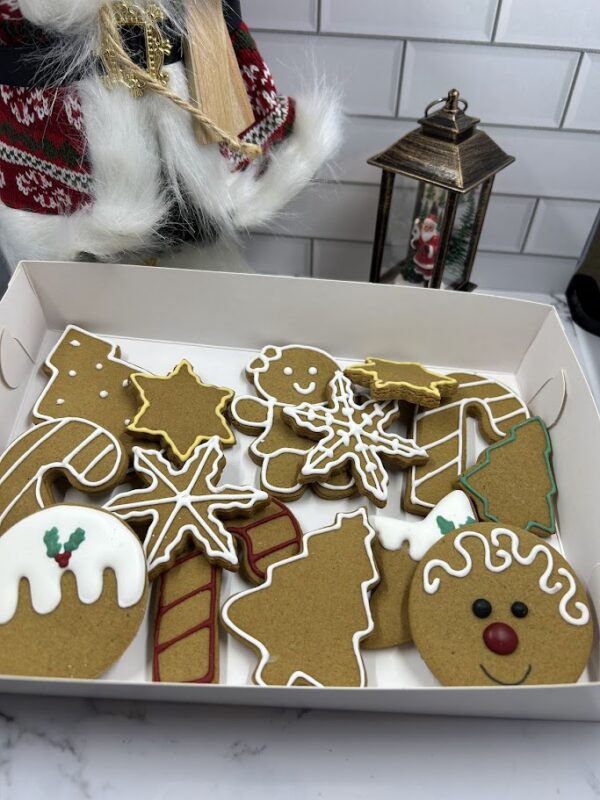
column 519, row 609
column 482, row 608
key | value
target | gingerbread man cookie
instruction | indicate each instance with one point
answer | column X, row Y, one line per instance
column 282, row 376
column 88, row 380
column 181, row 411
column 491, row 605
column 177, row 507
column 402, row 380
column 352, row 434
column 305, row 626
column 73, row 592
column 89, row 457
column 442, row 433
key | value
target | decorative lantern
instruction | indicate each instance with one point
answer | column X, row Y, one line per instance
column 455, row 164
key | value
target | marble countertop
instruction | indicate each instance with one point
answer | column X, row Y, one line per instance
column 69, row 749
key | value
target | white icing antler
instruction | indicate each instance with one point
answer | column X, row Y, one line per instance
column 506, row 559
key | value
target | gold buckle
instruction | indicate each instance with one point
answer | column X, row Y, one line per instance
column 157, row 46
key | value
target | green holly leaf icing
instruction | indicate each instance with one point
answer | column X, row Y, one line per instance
column 75, row 539
column 52, row 543
column 446, row 526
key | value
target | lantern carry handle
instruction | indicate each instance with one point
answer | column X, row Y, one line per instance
column 451, row 101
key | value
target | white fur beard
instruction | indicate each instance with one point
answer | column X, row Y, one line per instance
column 145, row 159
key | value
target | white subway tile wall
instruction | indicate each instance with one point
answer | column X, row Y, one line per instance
column 529, row 68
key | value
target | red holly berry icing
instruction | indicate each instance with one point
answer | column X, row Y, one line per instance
column 53, row 545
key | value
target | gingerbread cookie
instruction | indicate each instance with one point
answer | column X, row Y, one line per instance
column 181, row 411
column 398, row 548
column 88, row 380
column 352, row 434
column 73, row 592
column 493, row 606
column 90, row 458
column 513, row 481
column 442, row 433
column 269, row 535
column 282, row 376
column 305, row 626
column 402, row 380
column 186, row 505
column 186, row 633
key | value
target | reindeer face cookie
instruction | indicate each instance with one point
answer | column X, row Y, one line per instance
column 492, row 606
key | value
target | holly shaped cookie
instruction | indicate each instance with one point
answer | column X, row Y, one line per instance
column 291, row 376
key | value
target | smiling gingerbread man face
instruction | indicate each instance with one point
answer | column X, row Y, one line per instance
column 292, row 374
column 493, row 606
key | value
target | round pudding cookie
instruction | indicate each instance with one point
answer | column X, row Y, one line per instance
column 491, row 605
column 73, row 592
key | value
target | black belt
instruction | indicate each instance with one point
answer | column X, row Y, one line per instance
column 21, row 63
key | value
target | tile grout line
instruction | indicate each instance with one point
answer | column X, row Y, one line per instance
column 496, row 21
column 368, row 243
column 574, row 80
column 529, row 226
column 319, row 15
column 428, row 40
column 311, row 270
column 400, row 80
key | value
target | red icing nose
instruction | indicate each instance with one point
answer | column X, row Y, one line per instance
column 500, row 638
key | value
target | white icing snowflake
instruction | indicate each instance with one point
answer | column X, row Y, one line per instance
column 354, row 433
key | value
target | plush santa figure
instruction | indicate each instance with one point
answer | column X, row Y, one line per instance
column 91, row 168
column 426, row 241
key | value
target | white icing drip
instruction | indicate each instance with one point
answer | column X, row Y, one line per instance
column 456, row 464
column 506, row 559
column 108, row 544
column 205, row 531
column 338, row 422
column 304, row 390
column 422, row 534
column 365, row 585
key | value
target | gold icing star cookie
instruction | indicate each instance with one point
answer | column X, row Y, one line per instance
column 402, row 380
column 181, row 410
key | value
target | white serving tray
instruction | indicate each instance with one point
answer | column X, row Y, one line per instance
column 219, row 321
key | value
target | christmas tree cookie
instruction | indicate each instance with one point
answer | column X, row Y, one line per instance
column 513, row 481
column 73, row 592
column 306, row 622
column 181, row 411
column 402, row 380
column 88, row 380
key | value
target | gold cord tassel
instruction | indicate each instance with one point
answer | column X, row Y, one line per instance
column 112, row 43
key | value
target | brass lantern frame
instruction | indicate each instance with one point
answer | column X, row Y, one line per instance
column 448, row 151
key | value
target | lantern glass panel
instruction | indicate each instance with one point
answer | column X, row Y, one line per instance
column 457, row 261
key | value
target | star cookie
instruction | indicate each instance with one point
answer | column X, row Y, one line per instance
column 354, row 434
column 185, row 506
column 181, row 411
column 402, row 380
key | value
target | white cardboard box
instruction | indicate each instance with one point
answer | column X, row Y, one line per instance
column 218, row 321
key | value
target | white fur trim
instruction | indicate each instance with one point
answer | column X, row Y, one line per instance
column 61, row 15
column 128, row 202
